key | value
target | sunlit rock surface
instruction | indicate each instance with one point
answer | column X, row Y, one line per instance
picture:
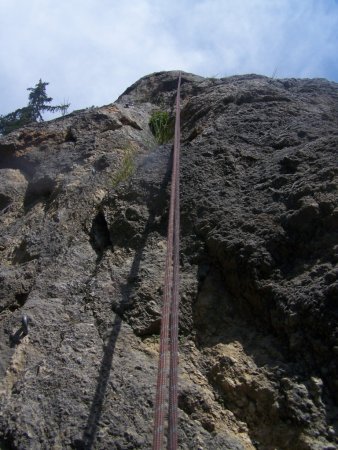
column 82, row 255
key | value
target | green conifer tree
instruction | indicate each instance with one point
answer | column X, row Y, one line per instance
column 37, row 104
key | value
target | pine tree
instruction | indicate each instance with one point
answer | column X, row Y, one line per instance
column 37, row 104
column 16, row 119
column 38, row 101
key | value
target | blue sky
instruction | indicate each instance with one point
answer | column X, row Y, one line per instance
column 91, row 50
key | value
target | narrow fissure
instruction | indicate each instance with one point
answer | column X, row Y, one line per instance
column 99, row 234
column 20, row 300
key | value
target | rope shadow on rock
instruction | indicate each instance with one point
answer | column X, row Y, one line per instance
column 88, row 439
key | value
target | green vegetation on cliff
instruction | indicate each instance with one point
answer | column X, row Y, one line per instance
column 160, row 126
column 127, row 167
column 37, row 104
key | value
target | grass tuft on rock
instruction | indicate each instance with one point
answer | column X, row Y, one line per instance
column 127, row 167
column 161, row 127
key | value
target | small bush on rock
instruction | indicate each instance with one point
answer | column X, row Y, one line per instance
column 160, row 125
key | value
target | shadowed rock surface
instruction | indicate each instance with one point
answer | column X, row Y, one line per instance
column 82, row 255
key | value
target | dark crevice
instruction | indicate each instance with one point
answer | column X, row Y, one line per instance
column 101, row 163
column 38, row 191
column 5, row 201
column 99, row 234
column 20, row 300
column 9, row 160
column 127, row 121
column 70, row 135
column 6, row 444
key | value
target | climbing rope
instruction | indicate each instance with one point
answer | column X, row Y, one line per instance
column 169, row 323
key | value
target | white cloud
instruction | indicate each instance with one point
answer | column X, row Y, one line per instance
column 91, row 50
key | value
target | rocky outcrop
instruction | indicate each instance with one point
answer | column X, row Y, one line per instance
column 84, row 206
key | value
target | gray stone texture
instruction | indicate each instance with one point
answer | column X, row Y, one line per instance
column 82, row 255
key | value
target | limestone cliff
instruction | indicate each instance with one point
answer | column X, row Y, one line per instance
column 84, row 205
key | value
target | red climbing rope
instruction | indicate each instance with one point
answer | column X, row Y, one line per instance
column 169, row 323
column 173, row 375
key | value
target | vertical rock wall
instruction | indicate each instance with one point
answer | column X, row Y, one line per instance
column 82, row 254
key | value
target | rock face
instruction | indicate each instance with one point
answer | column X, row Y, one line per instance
column 84, row 207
